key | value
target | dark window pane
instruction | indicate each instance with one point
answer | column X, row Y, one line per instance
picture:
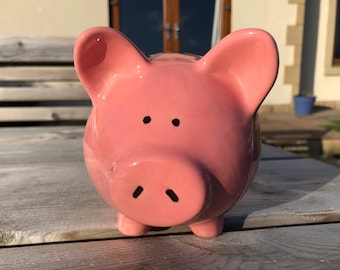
column 196, row 26
column 141, row 22
column 337, row 33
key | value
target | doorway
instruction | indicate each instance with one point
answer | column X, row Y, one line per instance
column 169, row 25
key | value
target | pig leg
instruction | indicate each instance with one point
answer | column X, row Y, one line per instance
column 130, row 227
column 208, row 228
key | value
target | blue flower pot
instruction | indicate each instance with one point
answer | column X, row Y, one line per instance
column 303, row 105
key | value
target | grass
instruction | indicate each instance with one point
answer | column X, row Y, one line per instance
column 334, row 125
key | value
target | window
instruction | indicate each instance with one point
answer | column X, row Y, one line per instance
column 336, row 48
column 332, row 42
column 168, row 25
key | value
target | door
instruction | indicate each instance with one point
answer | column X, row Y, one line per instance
column 168, row 25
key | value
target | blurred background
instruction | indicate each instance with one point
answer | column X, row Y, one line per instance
column 307, row 35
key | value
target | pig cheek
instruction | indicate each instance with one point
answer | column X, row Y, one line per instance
column 98, row 172
column 229, row 168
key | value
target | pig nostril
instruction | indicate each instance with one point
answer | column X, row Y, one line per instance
column 137, row 192
column 147, row 119
column 176, row 122
column 172, row 195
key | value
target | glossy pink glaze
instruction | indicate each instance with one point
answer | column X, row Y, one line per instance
column 173, row 140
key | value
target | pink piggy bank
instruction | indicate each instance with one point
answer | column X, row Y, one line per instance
column 173, row 139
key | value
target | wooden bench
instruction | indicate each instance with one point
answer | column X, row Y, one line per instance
column 38, row 82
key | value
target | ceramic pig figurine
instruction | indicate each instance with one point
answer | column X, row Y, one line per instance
column 173, row 139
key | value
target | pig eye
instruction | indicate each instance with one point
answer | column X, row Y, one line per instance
column 175, row 122
column 146, row 119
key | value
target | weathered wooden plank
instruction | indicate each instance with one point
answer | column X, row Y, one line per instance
column 303, row 247
column 17, row 94
column 63, row 141
column 55, row 145
column 294, row 191
column 44, row 113
column 37, row 73
column 36, row 49
column 45, row 193
column 31, row 139
column 30, row 60
column 39, row 134
column 269, row 152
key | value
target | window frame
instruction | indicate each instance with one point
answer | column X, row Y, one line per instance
column 332, row 63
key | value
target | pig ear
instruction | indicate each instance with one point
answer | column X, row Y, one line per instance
column 99, row 54
column 250, row 58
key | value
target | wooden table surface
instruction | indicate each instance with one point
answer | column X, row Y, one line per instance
column 52, row 218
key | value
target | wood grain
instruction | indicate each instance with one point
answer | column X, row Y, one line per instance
column 36, row 49
column 61, row 93
column 302, row 247
column 29, row 61
column 269, row 152
column 37, row 73
column 44, row 113
column 46, row 195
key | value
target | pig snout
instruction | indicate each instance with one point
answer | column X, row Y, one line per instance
column 159, row 190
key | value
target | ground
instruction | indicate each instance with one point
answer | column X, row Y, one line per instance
column 306, row 135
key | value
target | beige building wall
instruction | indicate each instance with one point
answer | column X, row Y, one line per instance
column 282, row 18
column 274, row 17
column 51, row 17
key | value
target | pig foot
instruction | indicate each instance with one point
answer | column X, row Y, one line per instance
column 130, row 227
column 208, row 228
